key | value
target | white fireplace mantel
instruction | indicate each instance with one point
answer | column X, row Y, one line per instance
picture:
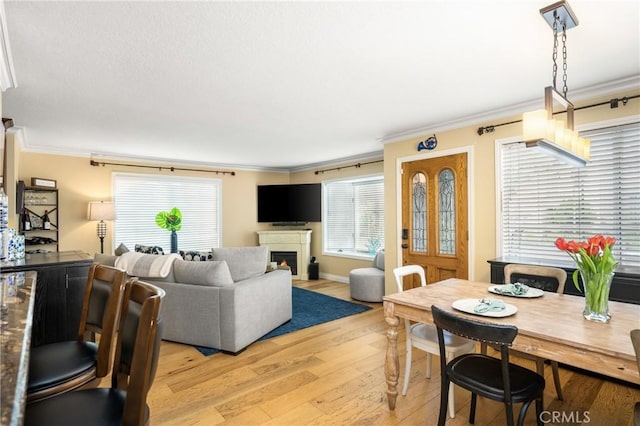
column 290, row 240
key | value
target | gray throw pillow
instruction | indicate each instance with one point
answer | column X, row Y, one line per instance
column 202, row 273
column 105, row 259
column 120, row 250
column 244, row 262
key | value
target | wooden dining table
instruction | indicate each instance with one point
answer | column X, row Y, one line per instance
column 550, row 326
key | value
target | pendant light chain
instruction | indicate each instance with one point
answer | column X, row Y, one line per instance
column 565, row 89
column 555, row 50
column 556, row 23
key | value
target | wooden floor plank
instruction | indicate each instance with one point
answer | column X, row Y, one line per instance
column 333, row 374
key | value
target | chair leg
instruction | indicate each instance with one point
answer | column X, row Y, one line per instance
column 452, row 407
column 523, row 412
column 539, row 411
column 483, row 348
column 428, row 375
column 556, row 380
column 407, row 371
column 508, row 408
column 472, row 409
column 444, row 392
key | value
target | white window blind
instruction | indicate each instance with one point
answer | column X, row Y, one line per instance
column 139, row 197
column 353, row 218
column 543, row 198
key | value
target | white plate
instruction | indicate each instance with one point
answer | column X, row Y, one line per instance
column 467, row 305
column 533, row 292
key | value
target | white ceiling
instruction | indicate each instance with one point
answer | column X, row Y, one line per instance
column 289, row 84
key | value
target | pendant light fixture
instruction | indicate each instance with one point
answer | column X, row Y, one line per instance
column 540, row 129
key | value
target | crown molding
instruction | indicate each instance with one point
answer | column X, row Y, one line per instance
column 376, row 155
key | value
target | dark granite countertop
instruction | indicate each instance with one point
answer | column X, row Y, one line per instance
column 16, row 312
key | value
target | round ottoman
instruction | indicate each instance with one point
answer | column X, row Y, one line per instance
column 367, row 284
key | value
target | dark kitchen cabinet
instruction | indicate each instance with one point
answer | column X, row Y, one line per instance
column 59, row 293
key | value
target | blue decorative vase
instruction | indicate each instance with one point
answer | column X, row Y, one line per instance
column 174, row 242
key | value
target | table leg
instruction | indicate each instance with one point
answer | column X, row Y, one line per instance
column 391, row 365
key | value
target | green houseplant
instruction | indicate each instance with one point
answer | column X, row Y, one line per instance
column 171, row 221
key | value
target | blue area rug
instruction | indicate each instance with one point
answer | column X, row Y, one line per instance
column 309, row 309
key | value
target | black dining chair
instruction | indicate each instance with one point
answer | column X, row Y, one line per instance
column 484, row 375
column 60, row 367
column 136, row 360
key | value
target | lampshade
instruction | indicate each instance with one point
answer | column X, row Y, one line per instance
column 101, row 210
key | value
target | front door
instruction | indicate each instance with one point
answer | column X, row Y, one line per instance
column 434, row 217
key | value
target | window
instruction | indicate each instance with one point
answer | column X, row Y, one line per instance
column 543, row 198
column 353, row 216
column 139, row 197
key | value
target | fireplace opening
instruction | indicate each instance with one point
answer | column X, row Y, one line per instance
column 286, row 258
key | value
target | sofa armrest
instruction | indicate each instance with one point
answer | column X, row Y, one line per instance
column 191, row 313
column 253, row 307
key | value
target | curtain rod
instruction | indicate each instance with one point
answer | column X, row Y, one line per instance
column 613, row 103
column 357, row 166
column 160, row 168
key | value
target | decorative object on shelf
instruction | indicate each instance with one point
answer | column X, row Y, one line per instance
column 101, row 210
column 596, row 266
column 540, row 130
column 46, row 222
column 44, row 183
column 26, row 222
column 429, row 143
column 35, row 220
column 171, row 221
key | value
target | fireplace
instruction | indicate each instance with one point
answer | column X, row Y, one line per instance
column 295, row 244
column 286, row 258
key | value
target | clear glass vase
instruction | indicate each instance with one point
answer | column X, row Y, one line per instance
column 596, row 296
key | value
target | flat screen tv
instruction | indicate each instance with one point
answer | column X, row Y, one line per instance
column 289, row 204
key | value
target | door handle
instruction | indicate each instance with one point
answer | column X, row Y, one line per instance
column 404, row 245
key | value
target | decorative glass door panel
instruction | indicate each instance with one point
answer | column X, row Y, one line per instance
column 419, row 213
column 434, row 217
column 447, row 213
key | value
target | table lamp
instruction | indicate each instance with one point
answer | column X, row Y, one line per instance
column 101, row 210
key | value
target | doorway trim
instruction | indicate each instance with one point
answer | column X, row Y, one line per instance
column 470, row 198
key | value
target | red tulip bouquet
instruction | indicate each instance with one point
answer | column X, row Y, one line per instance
column 596, row 266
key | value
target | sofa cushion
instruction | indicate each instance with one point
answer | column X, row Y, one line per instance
column 214, row 273
column 148, row 249
column 196, row 256
column 244, row 262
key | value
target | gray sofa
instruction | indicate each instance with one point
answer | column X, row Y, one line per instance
column 226, row 302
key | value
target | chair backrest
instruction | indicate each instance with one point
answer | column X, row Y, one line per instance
column 539, row 271
column 378, row 260
column 635, row 340
column 101, row 311
column 138, row 348
column 498, row 335
column 402, row 271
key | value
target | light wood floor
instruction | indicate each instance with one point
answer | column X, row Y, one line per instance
column 332, row 374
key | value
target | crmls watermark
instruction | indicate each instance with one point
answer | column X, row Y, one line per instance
column 560, row 417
